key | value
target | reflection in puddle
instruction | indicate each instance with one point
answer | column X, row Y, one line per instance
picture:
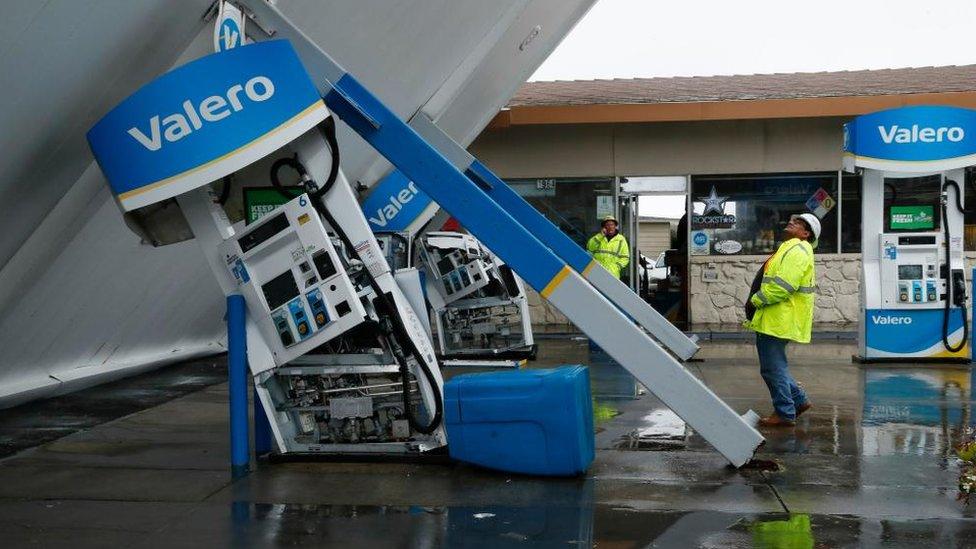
column 581, row 524
column 896, row 411
column 794, row 532
column 664, row 431
column 610, row 385
column 916, row 411
column 603, row 411
column 609, row 380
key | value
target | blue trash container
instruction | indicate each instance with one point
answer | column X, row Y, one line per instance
column 536, row 422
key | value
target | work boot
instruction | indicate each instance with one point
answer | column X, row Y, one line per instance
column 803, row 408
column 776, row 421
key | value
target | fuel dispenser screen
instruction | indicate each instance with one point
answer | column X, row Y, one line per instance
column 280, row 290
column 909, row 272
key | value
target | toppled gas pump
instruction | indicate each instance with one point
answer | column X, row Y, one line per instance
column 340, row 361
column 479, row 304
column 480, row 313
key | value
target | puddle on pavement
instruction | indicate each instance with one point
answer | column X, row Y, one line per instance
column 582, row 526
column 923, row 411
column 663, row 430
column 603, row 412
column 919, row 410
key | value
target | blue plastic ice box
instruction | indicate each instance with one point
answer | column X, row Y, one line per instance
column 537, row 422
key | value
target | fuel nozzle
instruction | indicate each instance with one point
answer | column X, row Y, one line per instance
column 309, row 184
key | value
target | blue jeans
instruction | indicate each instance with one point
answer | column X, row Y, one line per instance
column 784, row 391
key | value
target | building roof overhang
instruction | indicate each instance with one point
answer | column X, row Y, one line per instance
column 721, row 110
column 737, row 97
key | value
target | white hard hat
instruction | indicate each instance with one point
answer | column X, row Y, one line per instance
column 813, row 222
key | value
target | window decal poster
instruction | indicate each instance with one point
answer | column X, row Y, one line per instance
column 821, row 202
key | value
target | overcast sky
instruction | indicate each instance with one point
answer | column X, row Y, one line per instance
column 645, row 38
column 648, row 38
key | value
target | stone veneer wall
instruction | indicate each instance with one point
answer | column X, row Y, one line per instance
column 541, row 311
column 719, row 305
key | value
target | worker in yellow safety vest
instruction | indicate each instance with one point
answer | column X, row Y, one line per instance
column 609, row 247
column 780, row 310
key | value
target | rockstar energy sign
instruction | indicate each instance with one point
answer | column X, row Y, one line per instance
column 714, row 216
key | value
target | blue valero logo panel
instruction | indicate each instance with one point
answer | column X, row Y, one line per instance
column 204, row 120
column 394, row 203
column 911, row 139
column 911, row 333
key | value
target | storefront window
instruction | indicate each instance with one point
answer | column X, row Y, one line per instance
column 969, row 193
column 850, row 216
column 746, row 214
column 575, row 205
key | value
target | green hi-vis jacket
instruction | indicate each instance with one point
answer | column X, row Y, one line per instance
column 613, row 254
column 784, row 302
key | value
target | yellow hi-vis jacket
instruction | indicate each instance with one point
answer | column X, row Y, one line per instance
column 784, row 302
column 613, row 254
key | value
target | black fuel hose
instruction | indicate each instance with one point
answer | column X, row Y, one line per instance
column 225, row 190
column 894, row 192
column 953, row 184
column 950, row 290
column 328, row 130
column 388, row 309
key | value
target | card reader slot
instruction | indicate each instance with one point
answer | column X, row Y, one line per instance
column 323, row 263
column 263, row 232
column 916, row 240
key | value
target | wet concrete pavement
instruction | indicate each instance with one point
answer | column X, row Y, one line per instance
column 869, row 465
column 45, row 420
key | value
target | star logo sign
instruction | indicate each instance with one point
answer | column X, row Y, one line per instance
column 714, row 202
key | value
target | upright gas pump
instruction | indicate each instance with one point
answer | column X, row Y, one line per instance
column 913, row 288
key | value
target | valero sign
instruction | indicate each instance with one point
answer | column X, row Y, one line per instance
column 204, row 120
column 911, row 139
column 394, row 203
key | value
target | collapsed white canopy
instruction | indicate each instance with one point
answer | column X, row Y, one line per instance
column 81, row 299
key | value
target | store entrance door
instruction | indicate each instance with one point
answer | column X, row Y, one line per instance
column 628, row 216
column 659, row 262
